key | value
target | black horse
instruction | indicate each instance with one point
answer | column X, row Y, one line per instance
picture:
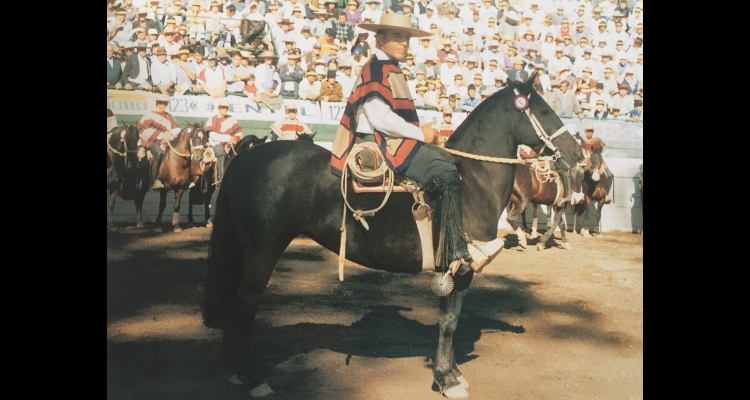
column 203, row 191
column 127, row 176
column 278, row 191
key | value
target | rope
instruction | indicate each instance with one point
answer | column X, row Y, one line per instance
column 382, row 171
column 175, row 150
column 115, row 151
column 487, row 158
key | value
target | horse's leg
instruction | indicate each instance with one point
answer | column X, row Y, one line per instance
column 535, row 222
column 140, row 195
column 111, row 220
column 514, row 212
column 599, row 205
column 559, row 222
column 162, row 206
column 445, row 372
column 176, row 213
column 207, row 205
column 549, row 234
column 585, row 220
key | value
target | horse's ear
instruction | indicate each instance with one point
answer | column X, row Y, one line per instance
column 313, row 135
column 530, row 82
column 263, row 139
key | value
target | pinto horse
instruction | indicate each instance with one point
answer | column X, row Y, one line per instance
column 127, row 175
column 201, row 193
column 180, row 167
column 273, row 193
column 537, row 185
column 595, row 188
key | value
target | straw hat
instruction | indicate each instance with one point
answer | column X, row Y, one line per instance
column 395, row 21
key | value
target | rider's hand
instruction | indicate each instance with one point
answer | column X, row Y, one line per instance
column 118, row 85
column 430, row 133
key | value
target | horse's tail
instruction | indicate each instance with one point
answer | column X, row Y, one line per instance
column 224, row 267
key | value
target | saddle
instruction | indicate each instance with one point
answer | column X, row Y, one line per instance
column 368, row 160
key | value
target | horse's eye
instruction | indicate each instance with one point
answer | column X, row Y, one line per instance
column 545, row 112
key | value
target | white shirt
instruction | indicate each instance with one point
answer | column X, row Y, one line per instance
column 161, row 74
column 142, row 77
column 375, row 114
column 305, row 88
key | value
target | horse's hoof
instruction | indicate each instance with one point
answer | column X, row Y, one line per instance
column 520, row 248
column 261, row 391
column 565, row 246
column 463, row 381
column 111, row 228
column 177, row 228
column 456, row 392
column 534, row 235
column 139, row 225
column 539, row 247
column 209, row 223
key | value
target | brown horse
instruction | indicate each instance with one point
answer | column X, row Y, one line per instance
column 596, row 185
column 203, row 191
column 127, row 175
column 182, row 166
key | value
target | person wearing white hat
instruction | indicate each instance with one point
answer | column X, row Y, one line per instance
column 211, row 79
column 429, row 17
column 223, row 131
column 144, row 21
column 487, row 10
column 153, row 126
column 451, row 24
column 268, row 82
column 471, row 69
column 449, row 69
column 407, row 8
column 373, row 10
column 289, row 127
column 387, row 115
column 309, row 88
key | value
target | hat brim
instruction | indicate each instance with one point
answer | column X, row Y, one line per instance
column 376, row 27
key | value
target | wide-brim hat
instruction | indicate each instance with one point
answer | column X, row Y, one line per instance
column 395, row 21
column 267, row 53
column 512, row 15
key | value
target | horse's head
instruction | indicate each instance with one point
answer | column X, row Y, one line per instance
column 512, row 116
column 247, row 142
column 596, row 163
column 306, row 137
column 197, row 140
column 124, row 141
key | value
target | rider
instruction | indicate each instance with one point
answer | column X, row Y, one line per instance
column 152, row 126
column 289, row 127
column 225, row 130
column 592, row 142
column 380, row 109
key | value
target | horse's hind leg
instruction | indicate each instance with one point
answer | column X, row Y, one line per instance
column 111, row 220
column 445, row 372
column 516, row 211
column 535, row 221
column 139, row 197
column 207, row 205
column 162, row 206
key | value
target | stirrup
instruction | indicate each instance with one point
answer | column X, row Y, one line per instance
column 484, row 252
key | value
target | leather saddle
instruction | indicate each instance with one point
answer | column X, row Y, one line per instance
column 369, row 160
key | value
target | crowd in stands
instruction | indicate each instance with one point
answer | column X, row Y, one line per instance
column 588, row 54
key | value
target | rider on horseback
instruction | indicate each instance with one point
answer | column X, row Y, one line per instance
column 153, row 126
column 290, row 127
column 224, row 130
column 381, row 109
column 592, row 142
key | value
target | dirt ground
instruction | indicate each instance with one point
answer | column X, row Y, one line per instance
column 556, row 324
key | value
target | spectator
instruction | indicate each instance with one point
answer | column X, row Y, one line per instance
column 449, row 69
column 346, row 78
column 330, row 89
column 353, row 16
column 146, row 23
column 361, row 42
column 152, row 38
column 137, row 71
column 569, row 106
column 309, row 89
column 234, row 83
column 551, row 96
column 614, row 113
column 600, row 110
column 122, row 30
column 290, row 127
column 184, row 71
column 419, row 100
column 211, row 80
column 509, row 26
column 223, row 130
column 291, row 74
column 331, row 10
column 630, row 81
column 471, row 70
column 492, row 53
column 588, row 79
column 451, row 23
column 327, row 41
column 289, row 41
column 343, row 31
column 114, row 69
column 407, row 8
column 168, row 41
column 281, row 33
column 320, row 25
column 245, row 72
column 470, row 100
column 431, row 97
column 298, row 20
column 430, row 16
column 214, row 17
column 583, row 62
column 305, row 41
column 163, row 74
column 268, row 82
column 599, row 94
column 518, row 73
column 478, row 82
column 311, row 9
column 181, row 37
column 358, row 58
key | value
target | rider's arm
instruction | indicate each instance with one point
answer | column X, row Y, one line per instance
column 381, row 117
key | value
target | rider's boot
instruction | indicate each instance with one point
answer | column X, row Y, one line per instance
column 155, row 164
column 447, row 187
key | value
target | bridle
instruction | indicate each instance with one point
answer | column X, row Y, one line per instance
column 540, row 132
column 191, row 148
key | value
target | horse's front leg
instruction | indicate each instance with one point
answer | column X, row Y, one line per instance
column 445, row 371
column 176, row 213
column 162, row 206
column 139, row 197
column 599, row 205
column 585, row 220
column 111, row 201
column 535, row 221
column 207, row 205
